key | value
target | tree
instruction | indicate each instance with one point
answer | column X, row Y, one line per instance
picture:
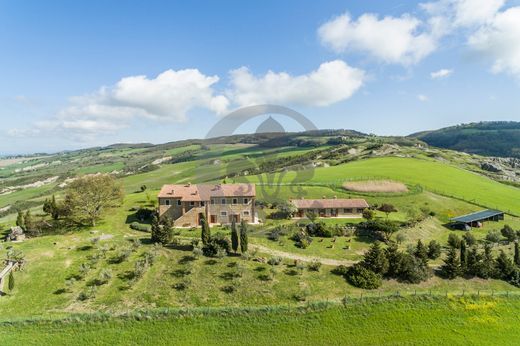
column 375, row 259
column 205, row 234
column 243, row 237
column 234, row 236
column 421, row 252
column 463, row 255
column 474, row 262
column 89, row 196
column 504, row 266
column 28, row 221
column 469, row 238
column 400, row 238
column 161, row 230
column 368, row 214
column 451, row 267
column 488, row 268
column 453, row 241
column 19, row 220
column 434, row 250
column 394, row 258
column 387, row 209
column 51, row 207
column 412, row 269
column 10, row 283
column 517, row 254
column 493, row 237
column 143, row 188
column 508, row 233
column 362, row 277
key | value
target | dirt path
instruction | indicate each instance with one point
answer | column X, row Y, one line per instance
column 290, row 255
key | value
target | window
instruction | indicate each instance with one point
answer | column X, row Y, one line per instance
column 192, row 203
column 179, row 202
column 213, row 201
column 246, row 212
column 223, row 213
column 167, row 202
column 202, row 203
column 235, row 201
column 246, row 200
column 223, row 201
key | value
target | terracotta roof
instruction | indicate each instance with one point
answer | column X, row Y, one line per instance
column 203, row 192
column 329, row 203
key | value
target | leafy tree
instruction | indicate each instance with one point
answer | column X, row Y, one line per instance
column 243, row 237
column 234, row 236
column 454, row 241
column 285, row 210
column 312, row 216
column 504, row 266
column 421, row 252
column 434, row 250
column 451, row 267
column 51, row 207
column 412, row 269
column 361, row 277
column 161, row 230
column 508, row 233
column 19, row 220
column 368, row 214
column 10, row 283
column 205, row 234
column 469, row 238
column 89, row 196
column 517, row 254
column 387, row 209
column 375, row 259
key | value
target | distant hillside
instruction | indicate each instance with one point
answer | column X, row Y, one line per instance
column 486, row 138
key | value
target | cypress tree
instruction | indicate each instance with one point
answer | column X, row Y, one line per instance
column 243, row 237
column 205, row 234
column 473, row 262
column 234, row 236
column 19, row 220
column 463, row 255
column 28, row 221
column 488, row 269
column 517, row 254
column 451, row 267
column 504, row 266
column 10, row 283
column 54, row 208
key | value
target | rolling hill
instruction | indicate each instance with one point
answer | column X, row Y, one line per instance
column 485, row 138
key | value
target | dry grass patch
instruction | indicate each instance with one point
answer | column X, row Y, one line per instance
column 375, row 186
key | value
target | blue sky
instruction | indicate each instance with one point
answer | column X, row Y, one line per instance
column 87, row 73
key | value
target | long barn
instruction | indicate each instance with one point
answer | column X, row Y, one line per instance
column 476, row 219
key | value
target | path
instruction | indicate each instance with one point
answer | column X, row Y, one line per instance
column 291, row 255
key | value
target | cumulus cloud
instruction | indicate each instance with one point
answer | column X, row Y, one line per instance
column 401, row 40
column 500, row 41
column 332, row 82
column 464, row 13
column 442, row 73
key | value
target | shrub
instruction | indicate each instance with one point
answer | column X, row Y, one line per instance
column 144, row 214
column 340, row 270
column 434, row 250
column 359, row 276
column 378, row 229
column 315, row 265
column 454, row 241
column 217, row 246
column 197, row 252
column 274, row 261
column 140, row 227
column 469, row 238
column 302, row 239
column 493, row 237
column 508, row 233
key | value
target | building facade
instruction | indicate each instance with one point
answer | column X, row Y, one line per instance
column 335, row 207
column 219, row 203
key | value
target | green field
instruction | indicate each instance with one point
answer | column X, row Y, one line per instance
column 396, row 321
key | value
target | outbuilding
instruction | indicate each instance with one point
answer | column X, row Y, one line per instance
column 476, row 219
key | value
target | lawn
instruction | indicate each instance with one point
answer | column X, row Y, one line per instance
column 389, row 321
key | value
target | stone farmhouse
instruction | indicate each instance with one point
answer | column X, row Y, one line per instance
column 336, row 207
column 187, row 204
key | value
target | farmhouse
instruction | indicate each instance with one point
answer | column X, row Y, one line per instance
column 335, row 207
column 476, row 219
column 218, row 203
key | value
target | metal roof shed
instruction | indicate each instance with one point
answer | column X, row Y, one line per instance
column 474, row 219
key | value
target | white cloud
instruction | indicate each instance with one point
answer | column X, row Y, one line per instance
column 442, row 73
column 464, row 13
column 500, row 41
column 401, row 40
column 332, row 82
column 423, row 98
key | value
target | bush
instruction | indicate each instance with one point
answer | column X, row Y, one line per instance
column 274, row 261
column 378, row 229
column 144, row 214
column 508, row 233
column 493, row 237
column 454, row 241
column 361, row 277
column 315, row 265
column 140, row 227
column 469, row 238
column 340, row 270
column 434, row 250
column 217, row 246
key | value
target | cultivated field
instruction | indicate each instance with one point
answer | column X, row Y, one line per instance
column 375, row 186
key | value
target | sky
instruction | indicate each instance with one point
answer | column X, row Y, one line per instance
column 76, row 74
